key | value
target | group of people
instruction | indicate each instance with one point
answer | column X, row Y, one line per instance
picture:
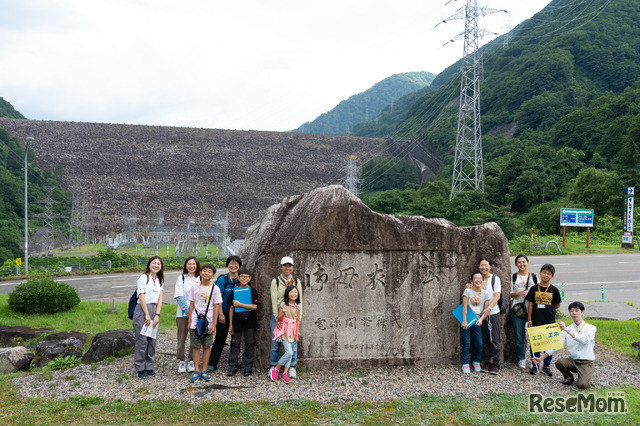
column 534, row 302
column 208, row 312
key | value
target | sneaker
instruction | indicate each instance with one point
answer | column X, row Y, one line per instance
column 547, row 371
column 195, row 377
column 190, row 367
column 465, row 368
column 274, row 374
column 534, row 369
column 285, row 377
column 150, row 373
column 205, row 376
column 142, row 374
column 568, row 381
column 495, row 369
column 486, row 366
column 476, row 366
column 211, row 369
column 292, row 373
column 247, row 373
column 522, row 363
column 232, row 372
column 182, row 368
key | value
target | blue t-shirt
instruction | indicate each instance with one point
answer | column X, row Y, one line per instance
column 226, row 288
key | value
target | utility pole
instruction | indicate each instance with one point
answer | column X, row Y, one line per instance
column 468, row 173
column 351, row 182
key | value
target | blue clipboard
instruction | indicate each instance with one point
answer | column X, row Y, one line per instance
column 471, row 317
column 242, row 295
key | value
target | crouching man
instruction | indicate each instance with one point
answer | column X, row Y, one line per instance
column 579, row 340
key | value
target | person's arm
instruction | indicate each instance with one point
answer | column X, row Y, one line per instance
column 191, row 307
column 279, row 317
column 231, row 311
column 156, row 317
column 274, row 296
column 484, row 314
column 178, row 294
column 220, row 286
column 538, row 360
column 464, row 312
column 216, row 308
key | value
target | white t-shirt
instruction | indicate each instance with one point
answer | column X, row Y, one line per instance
column 199, row 295
column 183, row 288
column 519, row 285
column 151, row 288
column 476, row 300
column 497, row 289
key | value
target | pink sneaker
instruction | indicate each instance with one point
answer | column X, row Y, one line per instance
column 274, row 374
column 285, row 377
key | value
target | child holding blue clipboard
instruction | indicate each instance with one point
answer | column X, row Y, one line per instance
column 474, row 302
column 243, row 302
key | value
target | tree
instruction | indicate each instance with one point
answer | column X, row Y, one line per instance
column 597, row 189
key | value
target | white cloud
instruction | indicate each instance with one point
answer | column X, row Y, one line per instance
column 261, row 65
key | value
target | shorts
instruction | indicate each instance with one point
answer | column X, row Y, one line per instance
column 197, row 341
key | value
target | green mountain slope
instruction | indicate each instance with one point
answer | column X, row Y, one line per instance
column 560, row 119
column 7, row 110
column 368, row 104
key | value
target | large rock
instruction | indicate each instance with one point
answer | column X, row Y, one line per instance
column 63, row 335
column 49, row 350
column 9, row 335
column 13, row 359
column 110, row 343
column 378, row 289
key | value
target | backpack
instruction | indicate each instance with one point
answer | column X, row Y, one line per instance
column 503, row 309
column 133, row 301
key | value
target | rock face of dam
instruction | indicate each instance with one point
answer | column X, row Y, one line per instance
column 189, row 173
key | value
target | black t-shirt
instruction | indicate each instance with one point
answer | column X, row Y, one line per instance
column 547, row 296
column 252, row 321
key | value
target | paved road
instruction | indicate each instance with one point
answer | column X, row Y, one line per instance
column 582, row 276
column 107, row 288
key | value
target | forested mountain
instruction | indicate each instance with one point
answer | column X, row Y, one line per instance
column 368, row 104
column 12, row 196
column 560, row 119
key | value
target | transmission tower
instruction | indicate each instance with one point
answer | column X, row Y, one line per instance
column 468, row 174
column 351, row 182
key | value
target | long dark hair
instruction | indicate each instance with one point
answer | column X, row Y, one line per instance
column 184, row 268
column 287, row 291
column 160, row 273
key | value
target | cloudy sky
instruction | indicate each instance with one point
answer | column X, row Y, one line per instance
column 239, row 64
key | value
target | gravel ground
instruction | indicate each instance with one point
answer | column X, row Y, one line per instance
column 117, row 379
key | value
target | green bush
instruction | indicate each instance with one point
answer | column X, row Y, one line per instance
column 63, row 363
column 43, row 295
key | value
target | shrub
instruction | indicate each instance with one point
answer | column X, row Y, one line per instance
column 43, row 295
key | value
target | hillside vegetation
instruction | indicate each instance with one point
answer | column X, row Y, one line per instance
column 560, row 120
column 360, row 107
column 12, row 195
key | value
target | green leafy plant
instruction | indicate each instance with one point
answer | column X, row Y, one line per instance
column 64, row 362
column 43, row 295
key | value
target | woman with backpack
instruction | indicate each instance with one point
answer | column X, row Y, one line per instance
column 492, row 326
column 147, row 314
column 521, row 282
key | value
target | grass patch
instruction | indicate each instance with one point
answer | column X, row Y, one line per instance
column 75, row 319
column 424, row 409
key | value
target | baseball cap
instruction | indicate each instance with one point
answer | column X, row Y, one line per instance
column 286, row 260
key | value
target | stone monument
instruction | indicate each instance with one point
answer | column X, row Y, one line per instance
column 378, row 289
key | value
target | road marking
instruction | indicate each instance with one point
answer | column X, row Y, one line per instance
column 604, row 282
column 122, row 286
column 628, row 262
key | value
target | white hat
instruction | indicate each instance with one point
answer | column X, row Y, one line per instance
column 286, row 260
